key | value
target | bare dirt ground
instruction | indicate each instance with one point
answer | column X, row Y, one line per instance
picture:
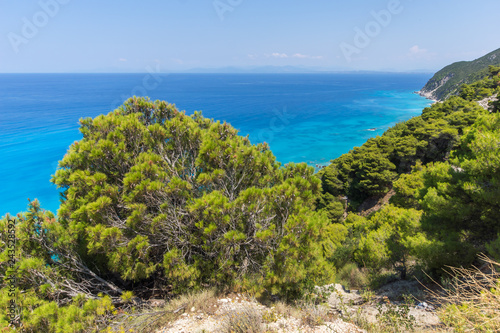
column 225, row 309
column 385, row 302
column 341, row 309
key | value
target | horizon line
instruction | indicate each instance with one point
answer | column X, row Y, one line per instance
column 239, row 72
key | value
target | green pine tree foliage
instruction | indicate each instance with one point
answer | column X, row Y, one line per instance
column 47, row 286
column 460, row 199
column 370, row 170
column 150, row 193
column 488, row 86
column 391, row 238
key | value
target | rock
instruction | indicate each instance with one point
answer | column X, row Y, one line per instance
column 424, row 306
column 341, row 297
column 351, row 303
column 484, row 103
column 193, row 309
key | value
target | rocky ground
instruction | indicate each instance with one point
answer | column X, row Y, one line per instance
column 250, row 313
column 342, row 308
column 387, row 304
column 485, row 102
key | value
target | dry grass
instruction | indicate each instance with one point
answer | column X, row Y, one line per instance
column 471, row 301
column 202, row 301
column 248, row 318
column 312, row 315
column 244, row 319
column 147, row 318
column 285, row 310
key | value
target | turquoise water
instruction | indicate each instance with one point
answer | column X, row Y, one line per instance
column 309, row 118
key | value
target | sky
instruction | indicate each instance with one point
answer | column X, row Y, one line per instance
column 90, row 36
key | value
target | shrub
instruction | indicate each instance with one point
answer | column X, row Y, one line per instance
column 52, row 289
column 352, row 276
column 153, row 194
column 244, row 319
column 395, row 318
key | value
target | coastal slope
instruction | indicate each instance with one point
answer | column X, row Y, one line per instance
column 448, row 80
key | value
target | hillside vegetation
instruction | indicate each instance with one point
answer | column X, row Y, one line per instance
column 443, row 170
column 156, row 203
column 448, row 80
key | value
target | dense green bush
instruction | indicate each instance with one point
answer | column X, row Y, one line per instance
column 486, row 87
column 150, row 193
column 155, row 199
column 460, row 198
column 390, row 239
column 46, row 284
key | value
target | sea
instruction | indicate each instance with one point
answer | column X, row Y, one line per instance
column 311, row 118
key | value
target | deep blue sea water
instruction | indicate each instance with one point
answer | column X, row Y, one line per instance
column 309, row 118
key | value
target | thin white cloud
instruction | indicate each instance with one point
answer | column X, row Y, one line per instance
column 122, row 60
column 305, row 56
column 416, row 50
column 279, row 55
column 417, row 53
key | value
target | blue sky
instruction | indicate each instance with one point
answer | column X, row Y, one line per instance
column 166, row 35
